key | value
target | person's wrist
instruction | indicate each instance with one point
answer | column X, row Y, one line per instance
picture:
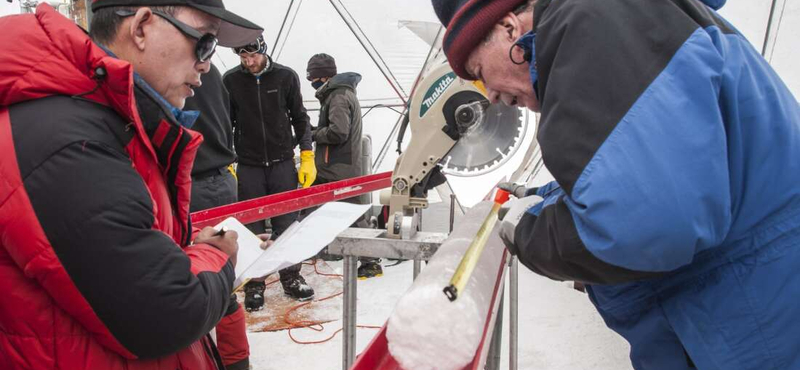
column 232, row 258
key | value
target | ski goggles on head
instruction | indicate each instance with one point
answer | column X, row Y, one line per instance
column 247, row 49
column 206, row 43
column 258, row 46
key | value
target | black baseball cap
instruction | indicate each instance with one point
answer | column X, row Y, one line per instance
column 233, row 31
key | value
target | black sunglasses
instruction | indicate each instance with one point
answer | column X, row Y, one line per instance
column 206, row 43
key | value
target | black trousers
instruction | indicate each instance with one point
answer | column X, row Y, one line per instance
column 259, row 181
column 213, row 191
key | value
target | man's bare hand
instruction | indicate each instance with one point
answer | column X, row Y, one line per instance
column 227, row 242
column 266, row 242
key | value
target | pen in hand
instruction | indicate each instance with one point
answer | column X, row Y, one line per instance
column 221, row 231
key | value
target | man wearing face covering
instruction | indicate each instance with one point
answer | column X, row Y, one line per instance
column 338, row 133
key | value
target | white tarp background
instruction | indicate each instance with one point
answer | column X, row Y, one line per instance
column 318, row 28
column 314, row 26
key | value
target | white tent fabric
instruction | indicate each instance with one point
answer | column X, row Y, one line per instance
column 429, row 32
column 401, row 32
column 319, row 29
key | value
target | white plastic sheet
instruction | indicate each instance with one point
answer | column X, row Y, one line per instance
column 301, row 241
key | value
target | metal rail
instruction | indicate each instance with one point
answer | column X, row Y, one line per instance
column 285, row 18
column 770, row 35
column 387, row 73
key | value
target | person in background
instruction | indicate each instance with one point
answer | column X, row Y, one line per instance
column 338, row 133
column 266, row 108
column 214, row 185
column 99, row 263
column 674, row 147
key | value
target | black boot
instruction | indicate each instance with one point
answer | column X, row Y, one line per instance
column 369, row 269
column 254, row 295
column 296, row 287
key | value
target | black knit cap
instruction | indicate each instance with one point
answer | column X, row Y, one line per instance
column 233, row 30
column 468, row 22
column 320, row 65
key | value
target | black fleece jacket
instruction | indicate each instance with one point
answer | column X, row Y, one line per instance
column 212, row 100
column 264, row 109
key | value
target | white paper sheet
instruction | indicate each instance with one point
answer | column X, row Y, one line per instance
column 298, row 243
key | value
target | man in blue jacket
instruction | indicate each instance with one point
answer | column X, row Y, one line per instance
column 675, row 149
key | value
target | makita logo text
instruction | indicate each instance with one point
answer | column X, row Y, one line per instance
column 435, row 91
column 438, row 92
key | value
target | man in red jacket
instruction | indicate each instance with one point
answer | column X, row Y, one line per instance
column 95, row 165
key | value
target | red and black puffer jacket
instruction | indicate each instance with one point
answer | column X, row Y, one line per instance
column 96, row 270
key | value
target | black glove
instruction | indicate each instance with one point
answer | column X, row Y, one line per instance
column 516, row 190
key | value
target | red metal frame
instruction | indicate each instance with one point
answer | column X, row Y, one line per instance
column 291, row 201
column 488, row 327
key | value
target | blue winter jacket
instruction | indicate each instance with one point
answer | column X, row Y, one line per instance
column 676, row 152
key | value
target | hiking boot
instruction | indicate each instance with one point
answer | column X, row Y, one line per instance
column 254, row 295
column 297, row 288
column 369, row 270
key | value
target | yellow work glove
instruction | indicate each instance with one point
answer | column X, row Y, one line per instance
column 308, row 171
column 232, row 170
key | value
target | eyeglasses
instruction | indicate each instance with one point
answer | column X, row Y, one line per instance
column 206, row 43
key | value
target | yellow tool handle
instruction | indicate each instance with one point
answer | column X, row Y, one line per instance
column 473, row 254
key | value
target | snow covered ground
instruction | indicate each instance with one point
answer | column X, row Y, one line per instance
column 558, row 330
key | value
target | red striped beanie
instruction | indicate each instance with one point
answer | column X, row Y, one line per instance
column 468, row 22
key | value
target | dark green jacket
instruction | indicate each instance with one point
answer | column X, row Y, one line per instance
column 338, row 135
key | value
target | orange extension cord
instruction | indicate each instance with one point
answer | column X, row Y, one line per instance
column 313, row 325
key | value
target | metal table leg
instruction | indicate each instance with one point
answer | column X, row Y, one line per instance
column 493, row 358
column 349, row 311
column 513, row 309
column 355, row 242
column 452, row 211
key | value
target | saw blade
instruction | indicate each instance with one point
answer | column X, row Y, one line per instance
column 488, row 144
